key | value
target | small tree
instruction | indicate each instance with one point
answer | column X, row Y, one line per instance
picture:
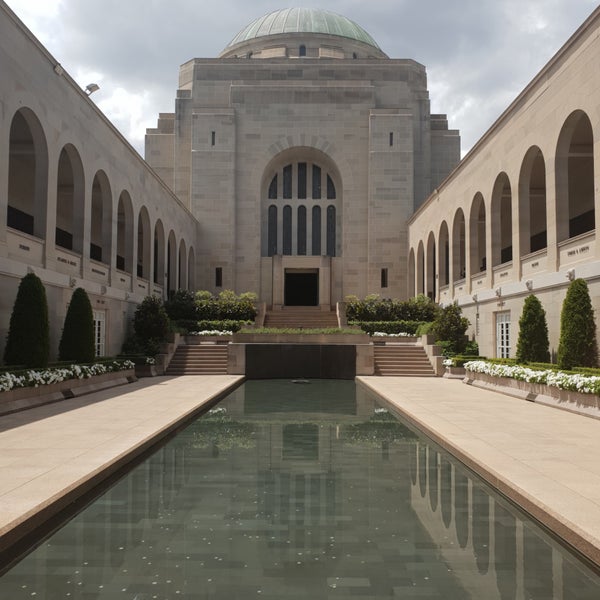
column 28, row 341
column 450, row 327
column 151, row 323
column 533, row 344
column 577, row 346
column 77, row 340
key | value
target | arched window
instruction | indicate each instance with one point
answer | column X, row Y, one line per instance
column 532, row 202
column 301, row 230
column 143, row 244
column 69, row 200
column 159, row 253
column 191, row 269
column 411, row 273
column 302, row 50
column 444, row 252
column 125, row 233
column 295, row 220
column 431, row 267
column 477, row 235
column 101, row 219
column 501, row 221
column 458, row 247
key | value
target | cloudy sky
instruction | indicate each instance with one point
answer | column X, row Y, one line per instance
column 479, row 53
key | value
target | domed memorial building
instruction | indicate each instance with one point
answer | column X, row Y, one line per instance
column 302, row 150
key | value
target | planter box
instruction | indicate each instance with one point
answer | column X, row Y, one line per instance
column 455, row 373
column 29, row 397
column 195, row 340
column 537, row 392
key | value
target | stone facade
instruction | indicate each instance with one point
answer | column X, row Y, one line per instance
column 268, row 112
column 518, row 214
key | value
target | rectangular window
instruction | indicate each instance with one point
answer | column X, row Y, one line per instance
column 384, row 278
column 213, row 138
column 219, row 277
column 302, row 181
column 99, row 331
column 287, row 182
column 391, row 138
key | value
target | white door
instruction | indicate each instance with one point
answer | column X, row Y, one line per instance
column 502, row 335
column 99, row 331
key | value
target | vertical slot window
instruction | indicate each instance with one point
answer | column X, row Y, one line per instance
column 219, row 277
column 302, row 181
column 287, row 182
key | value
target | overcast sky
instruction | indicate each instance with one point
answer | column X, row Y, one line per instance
column 479, row 54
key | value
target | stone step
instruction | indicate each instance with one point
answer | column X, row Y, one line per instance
column 404, row 360
column 199, row 360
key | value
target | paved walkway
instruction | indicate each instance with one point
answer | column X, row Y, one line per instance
column 48, row 453
column 545, row 459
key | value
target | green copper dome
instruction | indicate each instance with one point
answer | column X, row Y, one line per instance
column 303, row 20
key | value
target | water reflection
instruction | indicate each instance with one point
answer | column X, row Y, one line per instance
column 296, row 496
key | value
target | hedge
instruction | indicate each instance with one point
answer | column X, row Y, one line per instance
column 370, row 327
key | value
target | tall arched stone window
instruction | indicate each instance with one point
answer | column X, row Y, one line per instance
column 477, row 235
column 191, row 269
column 575, row 177
column 69, row 200
column 143, row 244
column 420, row 269
column 501, row 221
column 159, row 253
column 101, row 219
column 411, row 273
column 532, row 202
column 125, row 233
column 172, row 255
column 444, row 255
column 458, row 247
column 310, row 226
column 27, row 175
column 431, row 273
column 182, row 266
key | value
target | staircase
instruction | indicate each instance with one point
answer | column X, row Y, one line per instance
column 199, row 359
column 301, row 317
column 402, row 360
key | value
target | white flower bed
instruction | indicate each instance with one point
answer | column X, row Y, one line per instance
column 383, row 334
column 587, row 384
column 33, row 378
column 211, row 332
column 448, row 362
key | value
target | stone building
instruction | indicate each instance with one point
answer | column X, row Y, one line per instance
column 302, row 150
column 518, row 215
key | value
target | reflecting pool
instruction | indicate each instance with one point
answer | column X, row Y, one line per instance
column 290, row 491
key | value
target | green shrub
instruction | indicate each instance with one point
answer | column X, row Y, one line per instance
column 182, row 306
column 449, row 329
column 228, row 306
column 77, row 340
column 424, row 328
column 370, row 327
column 533, row 344
column 28, row 341
column 373, row 308
column 577, row 346
column 220, row 325
column 151, row 325
column 461, row 359
column 471, row 348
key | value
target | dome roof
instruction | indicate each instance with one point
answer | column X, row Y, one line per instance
column 303, row 20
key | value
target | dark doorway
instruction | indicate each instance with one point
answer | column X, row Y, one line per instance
column 301, row 288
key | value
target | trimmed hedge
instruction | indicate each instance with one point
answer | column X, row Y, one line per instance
column 373, row 308
column 533, row 344
column 370, row 327
column 77, row 340
column 28, row 341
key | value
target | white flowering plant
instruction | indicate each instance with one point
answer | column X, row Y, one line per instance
column 574, row 382
column 448, row 362
column 383, row 334
column 211, row 332
column 36, row 378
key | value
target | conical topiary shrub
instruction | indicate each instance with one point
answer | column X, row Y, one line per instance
column 533, row 344
column 28, row 341
column 577, row 346
column 151, row 324
column 77, row 340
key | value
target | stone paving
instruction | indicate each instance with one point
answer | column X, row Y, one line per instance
column 543, row 458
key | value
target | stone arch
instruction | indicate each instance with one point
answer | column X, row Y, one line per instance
column 143, row 244
column 575, row 202
column 125, row 233
column 171, row 264
column 411, row 273
column 420, row 269
column 477, row 234
column 70, row 195
column 501, row 216
column 27, row 175
column 532, row 202
column 191, row 269
column 431, row 269
column 459, row 245
column 159, row 253
column 444, row 255
column 292, row 179
column 101, row 219
column 182, row 267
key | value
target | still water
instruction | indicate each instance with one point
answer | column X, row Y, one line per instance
column 288, row 491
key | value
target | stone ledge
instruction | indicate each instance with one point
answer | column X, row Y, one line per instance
column 30, row 397
column 577, row 402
